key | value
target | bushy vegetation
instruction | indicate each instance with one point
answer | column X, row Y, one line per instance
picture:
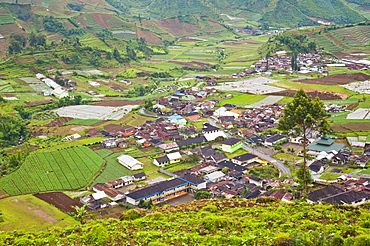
column 218, row 222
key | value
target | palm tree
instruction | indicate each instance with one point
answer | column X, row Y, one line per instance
column 80, row 213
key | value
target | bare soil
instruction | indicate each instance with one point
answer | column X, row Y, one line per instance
column 336, row 79
column 37, row 102
column 352, row 106
column 115, row 128
column 44, row 215
column 150, row 37
column 329, row 36
column 60, row 201
column 59, row 122
column 25, row 60
column 99, row 19
column 323, row 95
column 351, row 127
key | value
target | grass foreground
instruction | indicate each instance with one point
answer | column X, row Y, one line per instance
column 264, row 221
column 31, row 214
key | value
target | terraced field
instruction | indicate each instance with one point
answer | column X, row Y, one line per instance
column 324, row 42
column 355, row 36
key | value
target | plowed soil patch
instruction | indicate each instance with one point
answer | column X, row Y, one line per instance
column 323, row 95
column 25, row 60
column 60, row 200
column 352, row 106
column 336, row 79
column 119, row 103
column 115, row 128
column 37, row 102
column 351, row 127
column 58, row 122
column 100, row 20
column 329, row 36
column 149, row 36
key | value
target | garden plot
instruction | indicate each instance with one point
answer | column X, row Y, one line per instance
column 266, row 101
column 95, row 112
column 36, row 84
column 361, row 113
column 257, row 85
column 362, row 87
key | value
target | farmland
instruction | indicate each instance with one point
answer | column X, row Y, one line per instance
column 354, row 36
column 64, row 169
column 82, row 122
column 113, row 168
column 244, row 99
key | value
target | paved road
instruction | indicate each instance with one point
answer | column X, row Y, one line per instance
column 277, row 163
column 142, row 111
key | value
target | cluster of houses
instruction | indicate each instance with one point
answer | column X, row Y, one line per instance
column 310, row 62
column 350, row 192
column 58, row 91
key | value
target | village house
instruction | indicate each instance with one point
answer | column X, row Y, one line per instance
column 192, row 116
column 324, row 144
column 170, row 158
column 245, row 159
column 214, row 176
column 273, row 140
column 231, row 145
column 112, row 194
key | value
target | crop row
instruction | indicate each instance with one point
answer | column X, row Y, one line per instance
column 65, row 169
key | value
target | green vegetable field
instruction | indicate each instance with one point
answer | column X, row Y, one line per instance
column 65, row 169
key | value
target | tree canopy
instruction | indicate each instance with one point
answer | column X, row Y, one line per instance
column 301, row 116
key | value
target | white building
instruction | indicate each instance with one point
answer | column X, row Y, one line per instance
column 130, row 162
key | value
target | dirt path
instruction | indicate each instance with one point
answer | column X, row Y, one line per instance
column 42, row 214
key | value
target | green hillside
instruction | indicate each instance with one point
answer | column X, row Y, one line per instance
column 278, row 12
column 217, row 222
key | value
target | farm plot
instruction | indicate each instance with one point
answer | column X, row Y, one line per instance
column 29, row 213
column 361, row 113
column 324, row 42
column 355, row 36
column 360, row 87
column 5, row 87
column 60, row 200
column 82, row 122
column 257, row 85
column 266, row 101
column 95, row 112
column 244, row 99
column 113, row 169
column 66, row 169
column 36, row 84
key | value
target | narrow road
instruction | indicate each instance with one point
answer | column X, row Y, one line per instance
column 142, row 111
column 277, row 163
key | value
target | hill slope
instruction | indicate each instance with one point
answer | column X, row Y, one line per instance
column 282, row 12
column 217, row 222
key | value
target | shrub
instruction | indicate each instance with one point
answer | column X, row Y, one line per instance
column 131, row 214
column 210, row 208
column 97, row 235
